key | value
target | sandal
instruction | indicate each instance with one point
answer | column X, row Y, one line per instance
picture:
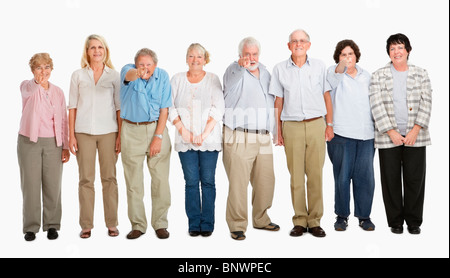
column 85, row 234
column 113, row 232
column 239, row 235
column 270, row 227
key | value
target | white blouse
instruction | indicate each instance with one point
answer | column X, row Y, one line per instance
column 96, row 104
column 194, row 103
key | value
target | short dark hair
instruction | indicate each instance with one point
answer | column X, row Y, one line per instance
column 343, row 44
column 398, row 39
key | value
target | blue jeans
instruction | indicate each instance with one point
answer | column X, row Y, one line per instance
column 199, row 168
column 352, row 160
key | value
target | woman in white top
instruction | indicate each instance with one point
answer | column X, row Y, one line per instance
column 198, row 107
column 94, row 124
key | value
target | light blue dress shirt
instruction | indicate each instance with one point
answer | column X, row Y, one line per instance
column 247, row 100
column 302, row 89
column 141, row 100
column 352, row 116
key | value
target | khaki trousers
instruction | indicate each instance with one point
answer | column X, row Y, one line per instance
column 305, row 153
column 107, row 157
column 248, row 157
column 40, row 170
column 136, row 141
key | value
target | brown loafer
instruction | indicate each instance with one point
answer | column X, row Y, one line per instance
column 317, row 231
column 297, row 231
column 162, row 233
column 134, row 234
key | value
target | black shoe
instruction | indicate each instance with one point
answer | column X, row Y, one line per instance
column 194, row 233
column 52, row 233
column 398, row 229
column 206, row 233
column 415, row 230
column 30, row 236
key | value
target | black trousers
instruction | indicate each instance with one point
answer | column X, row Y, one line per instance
column 403, row 184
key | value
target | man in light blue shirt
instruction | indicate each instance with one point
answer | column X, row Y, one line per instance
column 302, row 101
column 352, row 149
column 247, row 148
column 145, row 96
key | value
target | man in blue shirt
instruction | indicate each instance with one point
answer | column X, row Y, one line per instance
column 145, row 96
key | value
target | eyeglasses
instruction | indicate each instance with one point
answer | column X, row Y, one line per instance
column 299, row 41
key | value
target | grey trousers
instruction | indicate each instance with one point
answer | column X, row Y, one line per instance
column 40, row 171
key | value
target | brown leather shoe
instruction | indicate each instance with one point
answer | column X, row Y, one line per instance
column 162, row 233
column 297, row 231
column 134, row 234
column 317, row 231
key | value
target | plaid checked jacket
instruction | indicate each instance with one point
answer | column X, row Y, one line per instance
column 382, row 104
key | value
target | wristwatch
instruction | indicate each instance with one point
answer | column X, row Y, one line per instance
column 330, row 124
column 158, row 135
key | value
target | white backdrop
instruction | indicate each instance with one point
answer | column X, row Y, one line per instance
column 60, row 27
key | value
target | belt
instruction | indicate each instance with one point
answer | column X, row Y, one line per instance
column 312, row 119
column 257, row 131
column 141, row 123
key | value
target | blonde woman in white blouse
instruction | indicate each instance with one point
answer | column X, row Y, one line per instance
column 94, row 125
column 198, row 107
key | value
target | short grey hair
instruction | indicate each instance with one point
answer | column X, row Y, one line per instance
column 146, row 52
column 299, row 30
column 249, row 41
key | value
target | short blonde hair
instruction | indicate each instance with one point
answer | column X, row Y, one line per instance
column 39, row 59
column 200, row 48
column 85, row 61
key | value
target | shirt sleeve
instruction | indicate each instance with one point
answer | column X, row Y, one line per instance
column 116, row 85
column 380, row 115
column 275, row 88
column 74, row 91
column 334, row 78
column 217, row 104
column 325, row 84
column 424, row 113
column 166, row 97
column 173, row 113
column 65, row 123
column 232, row 76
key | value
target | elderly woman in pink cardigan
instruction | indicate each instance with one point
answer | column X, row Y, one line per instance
column 42, row 148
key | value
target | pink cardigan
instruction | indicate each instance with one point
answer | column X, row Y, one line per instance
column 32, row 108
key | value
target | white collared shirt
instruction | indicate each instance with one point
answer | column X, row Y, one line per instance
column 96, row 104
column 302, row 89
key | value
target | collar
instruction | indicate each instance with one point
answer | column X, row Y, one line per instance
column 290, row 62
column 105, row 68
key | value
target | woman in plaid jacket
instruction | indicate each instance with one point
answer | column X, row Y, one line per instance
column 400, row 99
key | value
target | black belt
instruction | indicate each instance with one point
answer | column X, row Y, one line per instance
column 257, row 131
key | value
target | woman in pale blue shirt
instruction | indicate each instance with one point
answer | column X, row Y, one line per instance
column 351, row 151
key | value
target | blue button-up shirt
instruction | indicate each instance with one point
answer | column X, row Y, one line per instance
column 141, row 100
column 247, row 102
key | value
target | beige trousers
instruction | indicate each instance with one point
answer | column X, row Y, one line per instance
column 136, row 141
column 305, row 153
column 88, row 145
column 248, row 157
column 40, row 171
